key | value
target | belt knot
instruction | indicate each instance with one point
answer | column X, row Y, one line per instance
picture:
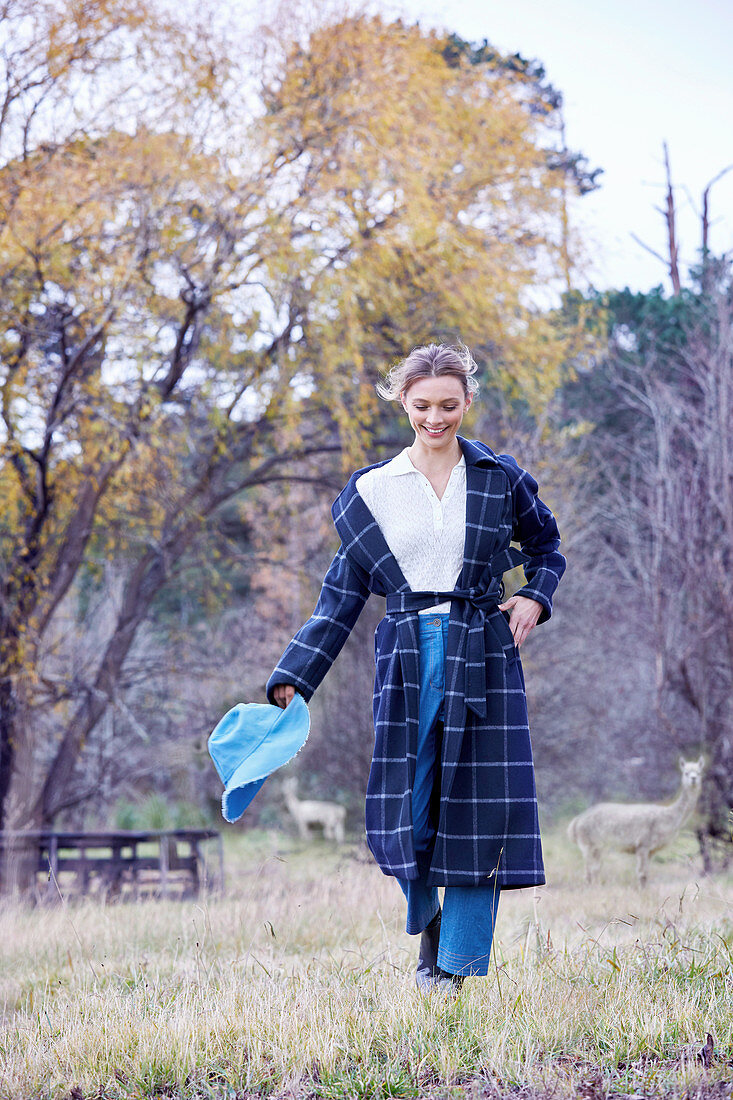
column 480, row 602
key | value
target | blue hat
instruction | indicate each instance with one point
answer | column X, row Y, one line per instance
column 252, row 741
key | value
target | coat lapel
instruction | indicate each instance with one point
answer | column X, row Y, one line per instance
column 363, row 540
column 485, row 501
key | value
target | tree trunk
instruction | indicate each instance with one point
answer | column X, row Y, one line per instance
column 21, row 807
column 670, row 217
column 139, row 591
column 7, row 712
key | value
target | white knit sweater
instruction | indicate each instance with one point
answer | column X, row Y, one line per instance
column 426, row 535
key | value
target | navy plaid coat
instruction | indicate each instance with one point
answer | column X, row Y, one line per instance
column 488, row 825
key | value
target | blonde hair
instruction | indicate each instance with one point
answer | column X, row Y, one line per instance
column 430, row 361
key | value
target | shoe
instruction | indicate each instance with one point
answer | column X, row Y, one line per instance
column 449, row 983
column 427, row 976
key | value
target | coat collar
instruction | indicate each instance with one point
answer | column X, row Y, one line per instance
column 477, row 454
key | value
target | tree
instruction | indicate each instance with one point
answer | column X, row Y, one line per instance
column 436, row 209
column 193, row 308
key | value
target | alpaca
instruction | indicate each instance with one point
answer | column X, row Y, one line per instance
column 329, row 815
column 641, row 828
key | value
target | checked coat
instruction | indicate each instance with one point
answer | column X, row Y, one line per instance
column 487, row 828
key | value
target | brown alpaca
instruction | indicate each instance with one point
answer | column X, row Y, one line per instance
column 642, row 828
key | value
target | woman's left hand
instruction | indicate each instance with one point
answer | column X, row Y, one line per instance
column 523, row 616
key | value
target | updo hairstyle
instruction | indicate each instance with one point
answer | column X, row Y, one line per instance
column 430, row 361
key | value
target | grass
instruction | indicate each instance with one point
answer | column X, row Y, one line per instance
column 299, row 983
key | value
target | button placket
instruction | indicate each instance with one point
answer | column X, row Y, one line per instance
column 435, row 504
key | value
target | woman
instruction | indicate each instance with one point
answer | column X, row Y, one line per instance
column 451, row 798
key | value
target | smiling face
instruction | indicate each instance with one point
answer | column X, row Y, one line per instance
column 435, row 407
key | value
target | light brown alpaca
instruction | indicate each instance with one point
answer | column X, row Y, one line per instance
column 641, row 828
column 308, row 813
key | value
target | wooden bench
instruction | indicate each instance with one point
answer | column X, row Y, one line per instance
column 172, row 863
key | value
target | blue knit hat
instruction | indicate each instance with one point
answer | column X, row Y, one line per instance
column 252, row 741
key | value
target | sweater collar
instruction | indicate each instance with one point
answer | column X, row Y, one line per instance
column 402, row 464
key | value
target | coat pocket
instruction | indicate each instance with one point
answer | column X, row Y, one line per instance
column 501, row 622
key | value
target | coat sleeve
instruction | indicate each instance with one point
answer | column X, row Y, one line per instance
column 535, row 529
column 319, row 641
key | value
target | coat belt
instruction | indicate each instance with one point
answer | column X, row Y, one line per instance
column 480, row 603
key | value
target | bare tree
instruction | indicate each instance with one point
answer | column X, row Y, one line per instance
column 669, row 213
column 672, row 534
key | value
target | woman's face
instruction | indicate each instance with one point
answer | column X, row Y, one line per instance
column 436, row 407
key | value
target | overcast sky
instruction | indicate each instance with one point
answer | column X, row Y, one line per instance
column 633, row 74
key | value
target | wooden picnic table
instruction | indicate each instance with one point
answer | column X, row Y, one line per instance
column 111, row 861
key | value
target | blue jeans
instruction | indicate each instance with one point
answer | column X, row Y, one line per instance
column 469, row 912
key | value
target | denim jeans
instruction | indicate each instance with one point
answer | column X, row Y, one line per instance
column 469, row 912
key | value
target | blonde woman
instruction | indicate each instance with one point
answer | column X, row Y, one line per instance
column 451, row 795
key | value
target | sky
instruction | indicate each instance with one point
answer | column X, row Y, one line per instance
column 633, row 74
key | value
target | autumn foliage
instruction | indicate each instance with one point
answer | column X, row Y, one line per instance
column 201, row 243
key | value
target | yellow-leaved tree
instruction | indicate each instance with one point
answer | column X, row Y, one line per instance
column 198, row 286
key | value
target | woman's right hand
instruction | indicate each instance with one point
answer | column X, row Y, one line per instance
column 283, row 694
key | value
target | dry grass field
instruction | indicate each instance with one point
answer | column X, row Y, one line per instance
column 299, row 983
